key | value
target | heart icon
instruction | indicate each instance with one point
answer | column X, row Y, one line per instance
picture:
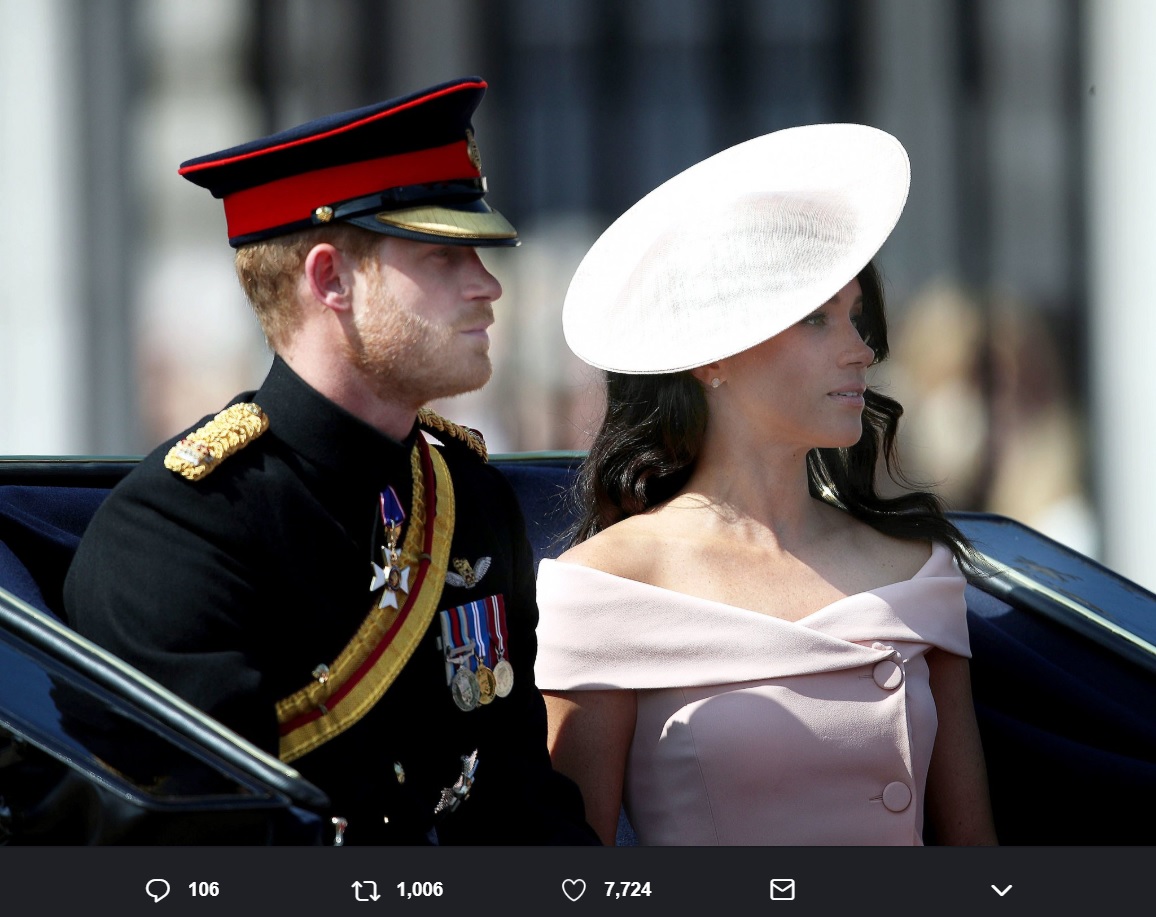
column 574, row 888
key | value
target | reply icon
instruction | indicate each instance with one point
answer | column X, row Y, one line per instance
column 157, row 889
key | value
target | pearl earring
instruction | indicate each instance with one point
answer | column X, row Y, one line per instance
column 715, row 382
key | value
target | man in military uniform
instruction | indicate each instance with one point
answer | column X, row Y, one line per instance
column 306, row 565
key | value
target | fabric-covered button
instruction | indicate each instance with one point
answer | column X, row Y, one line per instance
column 888, row 674
column 896, row 796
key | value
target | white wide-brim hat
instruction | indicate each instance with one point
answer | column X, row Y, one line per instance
column 736, row 249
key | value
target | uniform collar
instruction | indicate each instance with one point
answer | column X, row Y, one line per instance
column 327, row 435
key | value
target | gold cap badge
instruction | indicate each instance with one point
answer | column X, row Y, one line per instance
column 472, row 149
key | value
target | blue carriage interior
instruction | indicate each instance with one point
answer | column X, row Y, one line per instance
column 1063, row 671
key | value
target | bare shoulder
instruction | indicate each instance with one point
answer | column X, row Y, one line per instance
column 896, row 559
column 625, row 549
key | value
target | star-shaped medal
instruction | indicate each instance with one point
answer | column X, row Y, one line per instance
column 391, row 579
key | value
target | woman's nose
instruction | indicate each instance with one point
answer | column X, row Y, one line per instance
column 857, row 350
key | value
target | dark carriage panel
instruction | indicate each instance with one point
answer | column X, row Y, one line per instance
column 170, row 775
column 1064, row 678
column 1063, row 673
column 174, row 775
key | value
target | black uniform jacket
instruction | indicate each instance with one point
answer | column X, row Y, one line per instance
column 231, row 590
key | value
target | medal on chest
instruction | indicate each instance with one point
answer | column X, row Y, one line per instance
column 410, row 579
column 390, row 577
column 494, row 610
column 475, row 642
column 487, row 683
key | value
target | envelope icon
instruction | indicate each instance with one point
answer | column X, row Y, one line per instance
column 782, row 889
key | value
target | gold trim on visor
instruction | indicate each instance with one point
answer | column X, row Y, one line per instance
column 454, row 224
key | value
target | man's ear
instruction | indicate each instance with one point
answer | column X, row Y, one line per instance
column 329, row 276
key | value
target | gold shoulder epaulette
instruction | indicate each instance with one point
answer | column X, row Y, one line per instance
column 438, row 424
column 230, row 431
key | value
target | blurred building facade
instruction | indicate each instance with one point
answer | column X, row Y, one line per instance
column 135, row 326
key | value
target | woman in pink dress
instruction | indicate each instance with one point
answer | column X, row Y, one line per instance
column 747, row 642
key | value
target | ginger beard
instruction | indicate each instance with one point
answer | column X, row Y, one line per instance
column 409, row 358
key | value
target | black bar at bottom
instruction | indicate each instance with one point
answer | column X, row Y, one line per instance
column 171, row 881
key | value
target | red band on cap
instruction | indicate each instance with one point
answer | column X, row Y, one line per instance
column 293, row 199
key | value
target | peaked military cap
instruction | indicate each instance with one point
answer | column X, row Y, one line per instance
column 407, row 167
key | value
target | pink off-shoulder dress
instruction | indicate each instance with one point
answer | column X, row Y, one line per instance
column 754, row 730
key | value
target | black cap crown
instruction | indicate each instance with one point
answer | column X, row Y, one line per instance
column 407, row 167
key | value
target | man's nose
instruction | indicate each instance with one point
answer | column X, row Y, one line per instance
column 483, row 284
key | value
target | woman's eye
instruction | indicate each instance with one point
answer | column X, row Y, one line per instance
column 815, row 318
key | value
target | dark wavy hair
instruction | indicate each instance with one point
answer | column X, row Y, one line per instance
column 646, row 449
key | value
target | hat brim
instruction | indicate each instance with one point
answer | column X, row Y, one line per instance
column 736, row 249
column 474, row 223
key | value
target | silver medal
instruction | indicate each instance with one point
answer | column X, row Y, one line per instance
column 503, row 678
column 465, row 689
